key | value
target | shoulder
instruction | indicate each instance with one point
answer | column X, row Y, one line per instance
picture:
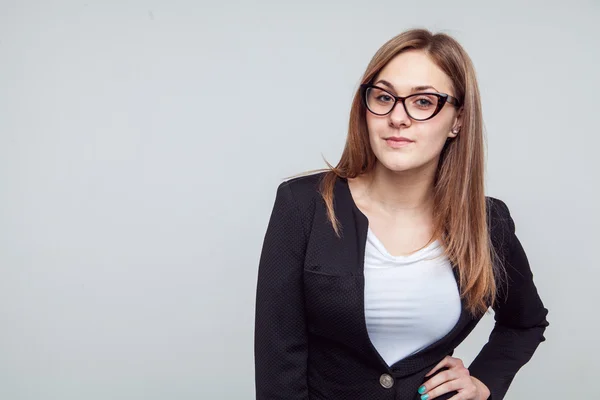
column 498, row 212
column 501, row 225
column 303, row 189
column 296, row 199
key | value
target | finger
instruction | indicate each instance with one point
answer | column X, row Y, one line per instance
column 447, row 361
column 443, row 389
column 439, row 379
column 439, row 365
column 458, row 372
column 465, row 388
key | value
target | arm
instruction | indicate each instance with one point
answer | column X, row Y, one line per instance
column 280, row 339
column 520, row 321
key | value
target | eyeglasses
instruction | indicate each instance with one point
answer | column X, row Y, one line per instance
column 418, row 106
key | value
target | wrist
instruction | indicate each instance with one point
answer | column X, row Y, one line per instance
column 482, row 389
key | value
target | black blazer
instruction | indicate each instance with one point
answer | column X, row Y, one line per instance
column 311, row 340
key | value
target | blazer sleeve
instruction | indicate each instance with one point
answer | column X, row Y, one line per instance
column 280, row 337
column 520, row 320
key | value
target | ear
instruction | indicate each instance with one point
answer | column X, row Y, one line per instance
column 456, row 125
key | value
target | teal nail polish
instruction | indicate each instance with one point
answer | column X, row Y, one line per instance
column 422, row 389
column 425, row 397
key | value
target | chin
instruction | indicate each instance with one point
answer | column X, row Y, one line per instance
column 396, row 165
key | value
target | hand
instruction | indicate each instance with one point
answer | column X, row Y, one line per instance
column 455, row 378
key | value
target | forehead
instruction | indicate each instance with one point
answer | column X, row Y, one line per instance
column 414, row 68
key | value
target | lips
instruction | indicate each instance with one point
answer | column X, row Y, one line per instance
column 396, row 142
column 398, row 139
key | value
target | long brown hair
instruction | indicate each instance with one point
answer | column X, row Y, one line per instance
column 459, row 199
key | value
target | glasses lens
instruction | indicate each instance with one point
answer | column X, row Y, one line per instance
column 379, row 101
column 421, row 106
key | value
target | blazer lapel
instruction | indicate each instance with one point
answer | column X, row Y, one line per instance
column 423, row 358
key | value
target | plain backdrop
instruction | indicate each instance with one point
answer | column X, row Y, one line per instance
column 141, row 144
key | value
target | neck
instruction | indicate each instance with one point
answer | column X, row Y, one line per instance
column 402, row 191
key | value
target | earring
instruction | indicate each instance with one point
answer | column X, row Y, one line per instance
column 455, row 131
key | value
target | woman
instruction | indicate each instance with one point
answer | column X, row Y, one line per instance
column 373, row 271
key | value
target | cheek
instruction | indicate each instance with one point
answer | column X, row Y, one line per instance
column 433, row 132
column 432, row 141
column 377, row 128
column 437, row 135
column 430, row 136
column 373, row 124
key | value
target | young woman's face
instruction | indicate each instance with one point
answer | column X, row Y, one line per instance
column 406, row 71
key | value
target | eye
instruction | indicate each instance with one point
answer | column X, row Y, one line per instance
column 424, row 101
column 379, row 96
column 385, row 98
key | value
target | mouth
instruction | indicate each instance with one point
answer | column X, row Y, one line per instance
column 397, row 142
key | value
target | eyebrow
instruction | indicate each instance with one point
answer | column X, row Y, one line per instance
column 412, row 90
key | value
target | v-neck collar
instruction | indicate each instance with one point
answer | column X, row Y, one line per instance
column 413, row 257
column 406, row 366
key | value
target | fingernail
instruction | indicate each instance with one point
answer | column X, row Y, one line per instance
column 425, row 397
column 422, row 389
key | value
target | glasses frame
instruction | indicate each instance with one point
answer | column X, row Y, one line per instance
column 443, row 99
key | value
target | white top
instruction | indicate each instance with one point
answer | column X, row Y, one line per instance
column 410, row 301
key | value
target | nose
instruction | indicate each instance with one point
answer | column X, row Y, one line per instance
column 398, row 116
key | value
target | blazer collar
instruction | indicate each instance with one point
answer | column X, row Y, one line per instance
column 429, row 355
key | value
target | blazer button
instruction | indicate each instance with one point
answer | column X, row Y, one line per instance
column 386, row 381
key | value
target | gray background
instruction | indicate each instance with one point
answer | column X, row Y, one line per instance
column 141, row 143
